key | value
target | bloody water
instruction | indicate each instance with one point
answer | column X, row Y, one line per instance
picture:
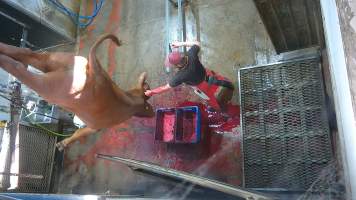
column 168, row 121
column 184, row 131
column 211, row 121
column 215, row 120
column 189, row 126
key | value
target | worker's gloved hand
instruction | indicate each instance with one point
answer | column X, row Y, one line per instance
column 176, row 44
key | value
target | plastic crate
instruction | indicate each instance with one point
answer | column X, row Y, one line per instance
column 178, row 125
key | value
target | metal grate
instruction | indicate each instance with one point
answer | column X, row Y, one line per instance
column 286, row 140
column 36, row 159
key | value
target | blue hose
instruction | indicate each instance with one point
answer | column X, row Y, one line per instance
column 81, row 20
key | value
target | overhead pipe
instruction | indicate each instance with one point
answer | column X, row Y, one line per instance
column 182, row 35
column 168, row 30
column 181, row 23
column 184, row 26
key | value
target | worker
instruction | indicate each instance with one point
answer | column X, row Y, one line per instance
column 214, row 88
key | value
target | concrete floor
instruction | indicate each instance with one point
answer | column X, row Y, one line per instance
column 231, row 34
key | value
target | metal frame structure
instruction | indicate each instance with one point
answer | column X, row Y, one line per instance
column 282, row 120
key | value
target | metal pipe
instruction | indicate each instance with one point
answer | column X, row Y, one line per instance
column 184, row 26
column 180, row 24
column 167, row 21
column 168, row 32
column 54, row 46
column 23, row 175
column 201, row 181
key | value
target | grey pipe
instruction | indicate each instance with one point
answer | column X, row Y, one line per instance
column 184, row 26
column 168, row 38
column 180, row 21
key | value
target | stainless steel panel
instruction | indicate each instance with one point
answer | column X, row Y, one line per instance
column 286, row 136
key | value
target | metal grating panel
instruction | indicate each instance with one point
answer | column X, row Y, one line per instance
column 286, row 137
column 36, row 159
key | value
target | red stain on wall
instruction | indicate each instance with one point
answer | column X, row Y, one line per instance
column 112, row 26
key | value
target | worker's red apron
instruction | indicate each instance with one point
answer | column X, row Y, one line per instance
column 207, row 91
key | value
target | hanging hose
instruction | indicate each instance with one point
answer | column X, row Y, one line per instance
column 27, row 111
column 82, row 21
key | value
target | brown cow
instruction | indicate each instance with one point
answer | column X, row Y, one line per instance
column 79, row 85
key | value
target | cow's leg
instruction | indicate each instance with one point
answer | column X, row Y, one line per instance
column 18, row 69
column 82, row 132
column 45, row 62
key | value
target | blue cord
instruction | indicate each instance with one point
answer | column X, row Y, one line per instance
column 81, row 20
